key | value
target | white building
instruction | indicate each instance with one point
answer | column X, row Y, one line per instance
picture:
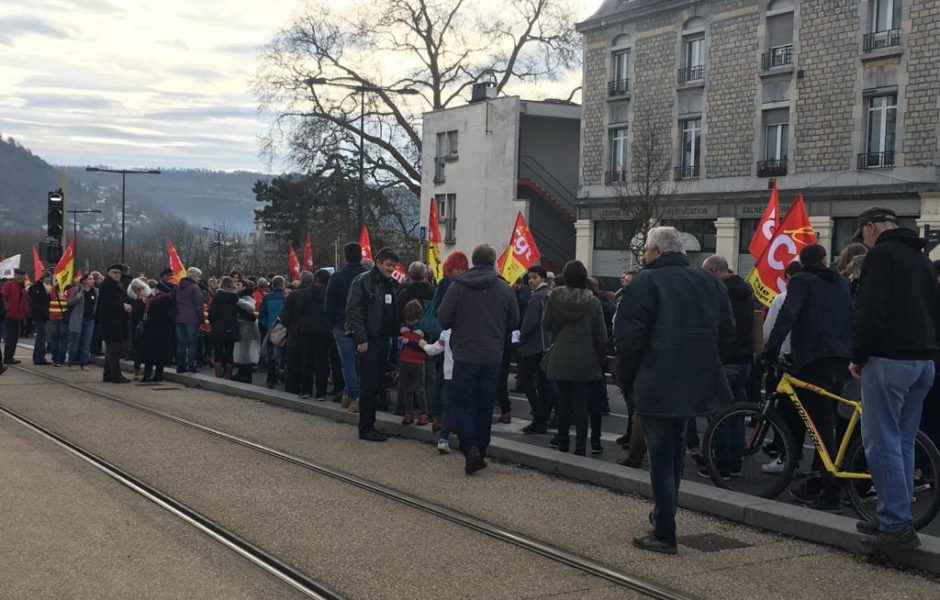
column 486, row 161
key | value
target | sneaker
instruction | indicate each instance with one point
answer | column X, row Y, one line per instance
column 423, row 419
column 83, row 367
column 703, row 473
column 354, row 406
column 74, row 368
column 554, row 441
column 596, row 448
column 408, row 420
column 505, row 417
column 777, row 465
column 651, row 543
column 893, row 540
column 443, row 446
column 921, row 484
column 622, row 440
column 55, row 364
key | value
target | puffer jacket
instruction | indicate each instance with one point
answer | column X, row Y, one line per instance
column 579, row 335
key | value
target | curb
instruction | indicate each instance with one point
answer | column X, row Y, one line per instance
column 801, row 523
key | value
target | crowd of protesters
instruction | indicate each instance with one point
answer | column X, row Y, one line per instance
column 688, row 341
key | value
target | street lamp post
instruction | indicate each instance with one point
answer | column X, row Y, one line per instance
column 124, row 173
column 362, row 89
column 75, row 213
column 219, row 243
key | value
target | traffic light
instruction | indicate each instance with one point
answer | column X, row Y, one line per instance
column 56, row 214
column 51, row 252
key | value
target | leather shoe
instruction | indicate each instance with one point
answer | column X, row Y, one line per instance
column 904, row 539
column 372, row 436
column 121, row 380
column 12, row 361
column 653, row 544
column 474, row 461
column 534, row 427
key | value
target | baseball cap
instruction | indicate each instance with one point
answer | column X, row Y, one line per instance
column 873, row 215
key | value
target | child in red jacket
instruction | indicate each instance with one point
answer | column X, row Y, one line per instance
column 411, row 359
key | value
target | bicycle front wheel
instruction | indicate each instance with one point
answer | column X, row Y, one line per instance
column 925, row 502
column 749, row 451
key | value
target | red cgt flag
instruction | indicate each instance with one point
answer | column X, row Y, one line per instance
column 521, row 254
column 795, row 232
column 308, row 254
column 365, row 243
column 767, row 226
column 292, row 263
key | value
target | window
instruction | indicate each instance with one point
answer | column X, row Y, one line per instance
column 691, row 148
column 882, row 120
column 776, row 135
column 447, row 215
column 885, row 15
column 618, row 111
column 699, row 235
column 613, row 235
column 693, row 68
column 452, row 143
column 746, row 230
column 440, row 152
column 618, row 155
column 620, row 65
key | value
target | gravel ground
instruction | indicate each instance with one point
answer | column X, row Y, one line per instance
column 70, row 531
column 584, row 519
column 362, row 545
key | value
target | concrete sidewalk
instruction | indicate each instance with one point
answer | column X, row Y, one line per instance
column 788, row 519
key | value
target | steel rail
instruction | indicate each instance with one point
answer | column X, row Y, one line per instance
column 647, row 588
column 243, row 548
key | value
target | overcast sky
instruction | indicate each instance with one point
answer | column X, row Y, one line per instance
column 132, row 83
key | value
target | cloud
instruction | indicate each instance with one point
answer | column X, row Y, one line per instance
column 205, row 112
column 21, row 25
column 66, row 101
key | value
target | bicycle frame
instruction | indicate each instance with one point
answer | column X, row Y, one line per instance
column 787, row 387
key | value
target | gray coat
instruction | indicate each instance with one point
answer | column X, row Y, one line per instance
column 534, row 335
column 481, row 311
column 669, row 325
column 76, row 307
column 576, row 320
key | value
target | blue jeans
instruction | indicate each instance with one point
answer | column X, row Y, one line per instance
column 80, row 343
column 347, row 359
column 666, row 446
column 39, row 344
column 893, row 393
column 58, row 340
column 187, row 346
column 730, row 437
column 473, row 397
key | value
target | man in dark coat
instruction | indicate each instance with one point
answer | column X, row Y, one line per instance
column 894, row 341
column 39, row 313
column 669, row 326
column 14, row 298
column 113, row 314
column 534, row 340
column 817, row 315
column 372, row 320
column 481, row 311
column 337, row 290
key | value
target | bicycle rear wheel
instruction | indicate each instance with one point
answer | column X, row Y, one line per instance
column 925, row 503
column 739, row 445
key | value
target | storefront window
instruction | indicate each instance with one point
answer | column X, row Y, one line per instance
column 613, row 235
column 747, row 229
column 844, row 227
column 699, row 232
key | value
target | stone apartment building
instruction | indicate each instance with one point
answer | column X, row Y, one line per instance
column 837, row 99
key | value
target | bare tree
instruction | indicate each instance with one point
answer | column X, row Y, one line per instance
column 645, row 195
column 440, row 48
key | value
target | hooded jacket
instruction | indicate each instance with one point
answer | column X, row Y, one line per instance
column 818, row 316
column 579, row 348
column 739, row 350
column 481, row 310
column 14, row 297
column 896, row 308
column 189, row 301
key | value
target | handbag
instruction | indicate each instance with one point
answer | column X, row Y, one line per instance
column 277, row 337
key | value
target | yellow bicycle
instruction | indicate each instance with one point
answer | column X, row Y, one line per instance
column 749, row 448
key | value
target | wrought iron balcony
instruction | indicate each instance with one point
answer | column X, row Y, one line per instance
column 876, row 160
column 772, row 168
column 618, row 87
column 611, row 177
column 778, row 57
column 686, row 173
column 687, row 74
column 881, row 39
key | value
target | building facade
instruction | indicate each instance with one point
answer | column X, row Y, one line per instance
column 486, row 161
column 836, row 99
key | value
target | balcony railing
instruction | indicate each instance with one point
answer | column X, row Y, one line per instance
column 687, row 74
column 686, row 172
column 881, row 39
column 611, row 177
column 778, row 57
column 439, row 163
column 772, row 168
column 618, row 87
column 876, row 160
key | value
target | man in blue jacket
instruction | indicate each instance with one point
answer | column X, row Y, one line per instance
column 337, row 291
column 817, row 315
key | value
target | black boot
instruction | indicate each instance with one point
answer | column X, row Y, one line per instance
column 148, row 374
column 158, row 376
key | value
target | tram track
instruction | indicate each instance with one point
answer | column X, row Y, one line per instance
column 279, row 568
